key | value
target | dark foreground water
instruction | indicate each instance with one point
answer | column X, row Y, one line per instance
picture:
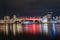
column 28, row 37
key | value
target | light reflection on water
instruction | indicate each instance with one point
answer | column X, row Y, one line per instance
column 13, row 28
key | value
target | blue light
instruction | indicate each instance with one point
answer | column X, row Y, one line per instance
column 54, row 31
column 54, row 28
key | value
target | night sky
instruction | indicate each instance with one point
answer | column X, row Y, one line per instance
column 29, row 7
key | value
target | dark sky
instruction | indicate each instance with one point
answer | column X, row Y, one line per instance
column 28, row 7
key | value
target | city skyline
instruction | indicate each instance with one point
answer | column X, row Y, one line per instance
column 17, row 19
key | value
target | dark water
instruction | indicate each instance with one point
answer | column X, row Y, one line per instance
column 28, row 37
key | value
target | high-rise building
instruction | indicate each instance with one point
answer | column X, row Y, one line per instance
column 7, row 26
column 49, row 18
column 57, row 18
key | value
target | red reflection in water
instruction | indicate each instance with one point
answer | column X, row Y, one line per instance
column 32, row 28
column 35, row 28
column 25, row 28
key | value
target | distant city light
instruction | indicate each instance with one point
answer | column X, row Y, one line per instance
column 30, row 25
